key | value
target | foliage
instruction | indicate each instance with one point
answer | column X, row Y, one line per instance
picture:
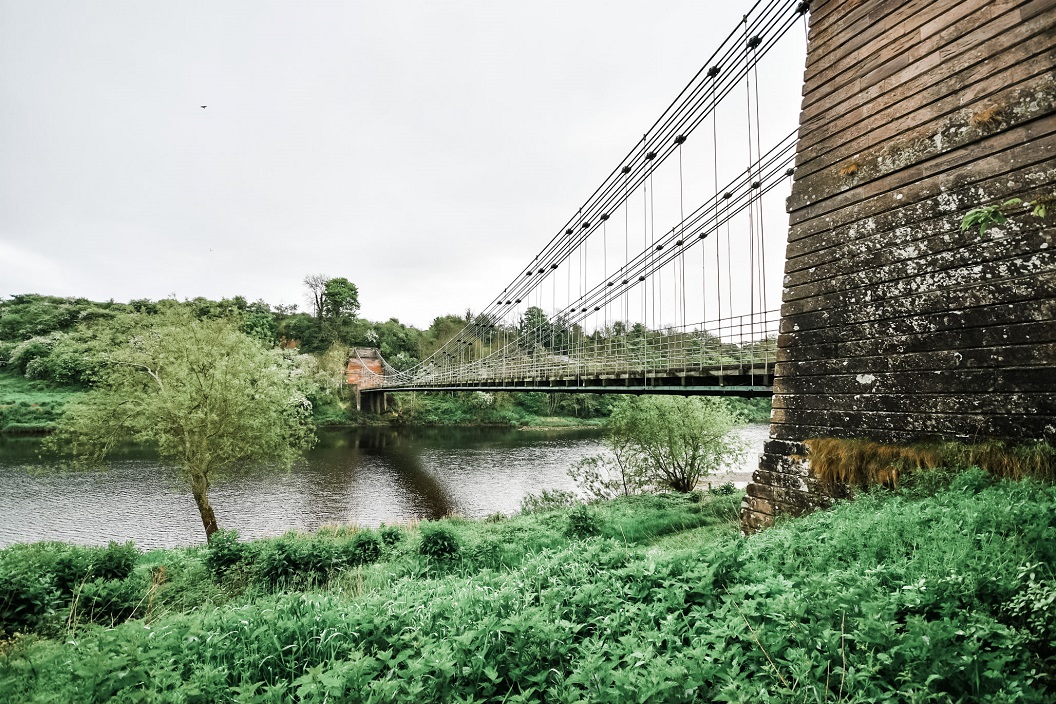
column 751, row 410
column 208, row 397
column 365, row 548
column 997, row 214
column 438, row 542
column 548, row 500
column 885, row 599
column 225, row 553
column 501, row 408
column 391, row 535
column 665, row 442
column 296, row 561
column 340, row 298
column 45, row 584
column 582, row 523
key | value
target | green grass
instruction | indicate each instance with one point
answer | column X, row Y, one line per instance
column 562, row 422
column 891, row 598
column 28, row 406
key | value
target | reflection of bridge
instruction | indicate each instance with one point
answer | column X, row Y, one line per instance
column 896, row 325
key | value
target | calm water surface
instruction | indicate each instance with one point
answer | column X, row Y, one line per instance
column 366, row 476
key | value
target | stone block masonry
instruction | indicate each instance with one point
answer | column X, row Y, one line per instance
column 897, row 325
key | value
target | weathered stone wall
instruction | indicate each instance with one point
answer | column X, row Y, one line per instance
column 896, row 325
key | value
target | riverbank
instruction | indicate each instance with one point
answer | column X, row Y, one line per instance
column 923, row 595
column 33, row 407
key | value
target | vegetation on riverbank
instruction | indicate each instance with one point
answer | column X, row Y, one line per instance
column 927, row 594
column 30, row 407
column 53, row 348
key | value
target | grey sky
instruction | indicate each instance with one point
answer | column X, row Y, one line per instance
column 424, row 150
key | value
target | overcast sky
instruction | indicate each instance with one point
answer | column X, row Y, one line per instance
column 424, row 150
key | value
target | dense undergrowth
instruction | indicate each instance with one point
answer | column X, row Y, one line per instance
column 895, row 597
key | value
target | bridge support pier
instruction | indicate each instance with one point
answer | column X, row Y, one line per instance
column 376, row 403
column 898, row 326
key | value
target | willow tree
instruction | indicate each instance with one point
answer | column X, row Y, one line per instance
column 208, row 397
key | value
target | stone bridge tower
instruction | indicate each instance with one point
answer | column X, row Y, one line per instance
column 364, row 366
column 897, row 325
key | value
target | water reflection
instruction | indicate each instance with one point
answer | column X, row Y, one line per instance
column 366, row 476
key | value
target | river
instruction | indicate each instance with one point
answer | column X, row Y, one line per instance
column 365, row 476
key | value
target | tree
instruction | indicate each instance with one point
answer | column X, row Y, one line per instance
column 667, row 442
column 340, row 299
column 206, row 395
column 316, row 283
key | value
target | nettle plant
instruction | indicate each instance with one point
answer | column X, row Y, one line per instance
column 999, row 213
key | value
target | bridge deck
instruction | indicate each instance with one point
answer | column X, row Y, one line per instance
column 726, row 381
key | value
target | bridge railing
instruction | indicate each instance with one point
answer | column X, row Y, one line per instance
column 737, row 345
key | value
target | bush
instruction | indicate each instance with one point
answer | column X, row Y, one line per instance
column 438, row 542
column 363, row 549
column 225, row 552
column 296, row 561
column 27, row 598
column 582, row 523
column 29, row 350
column 110, row 601
column 724, row 489
column 115, row 561
column 548, row 500
column 73, row 566
column 391, row 535
column 485, row 553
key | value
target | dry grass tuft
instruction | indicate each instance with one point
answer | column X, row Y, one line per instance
column 848, row 169
column 988, row 117
column 863, row 463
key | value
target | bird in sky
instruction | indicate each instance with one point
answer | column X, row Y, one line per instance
column 203, row 107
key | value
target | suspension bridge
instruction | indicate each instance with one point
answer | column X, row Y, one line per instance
column 896, row 324
column 661, row 281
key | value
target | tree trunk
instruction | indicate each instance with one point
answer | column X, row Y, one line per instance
column 200, row 487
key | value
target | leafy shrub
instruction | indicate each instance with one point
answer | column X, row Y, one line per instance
column 724, row 489
column 972, row 481
column 6, row 348
column 73, row 565
column 548, row 500
column 364, row 548
column 27, row 598
column 582, row 523
column 1033, row 606
column 225, row 552
column 926, row 481
column 391, row 535
column 485, row 553
column 296, row 561
column 28, row 350
column 115, row 561
column 110, row 601
column 438, row 542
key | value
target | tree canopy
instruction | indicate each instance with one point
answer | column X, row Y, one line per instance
column 206, row 395
column 662, row 442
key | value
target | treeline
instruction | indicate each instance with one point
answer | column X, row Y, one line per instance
column 50, row 346
column 43, row 337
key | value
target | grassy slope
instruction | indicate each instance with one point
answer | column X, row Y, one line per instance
column 30, row 406
column 890, row 598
